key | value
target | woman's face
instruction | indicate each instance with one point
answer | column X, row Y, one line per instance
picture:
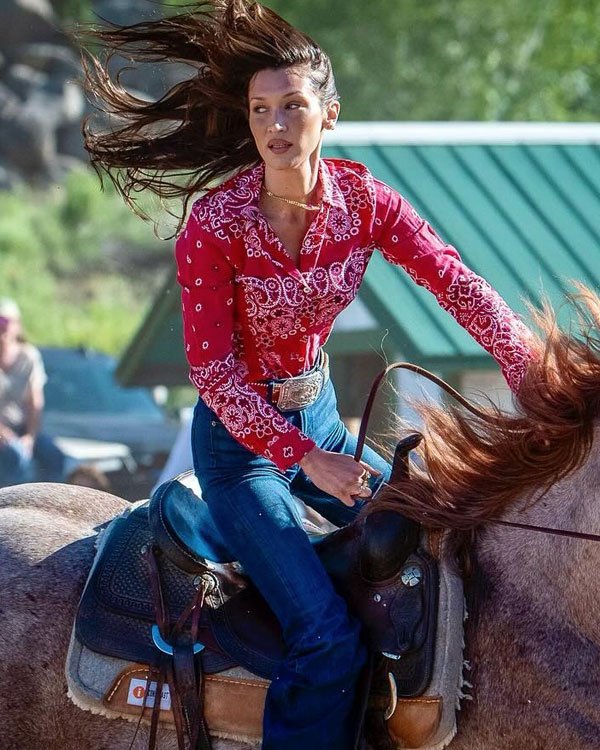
column 286, row 116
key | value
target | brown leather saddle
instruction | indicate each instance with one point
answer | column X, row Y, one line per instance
column 164, row 591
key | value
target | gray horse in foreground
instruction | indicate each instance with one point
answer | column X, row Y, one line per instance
column 533, row 636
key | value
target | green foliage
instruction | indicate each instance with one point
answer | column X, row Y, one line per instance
column 80, row 264
column 80, row 10
column 452, row 59
column 459, row 59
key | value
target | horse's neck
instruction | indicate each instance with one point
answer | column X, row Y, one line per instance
column 533, row 635
column 549, row 576
column 534, row 677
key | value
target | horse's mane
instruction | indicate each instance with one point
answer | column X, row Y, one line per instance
column 476, row 468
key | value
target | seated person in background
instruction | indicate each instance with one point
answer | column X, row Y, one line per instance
column 25, row 454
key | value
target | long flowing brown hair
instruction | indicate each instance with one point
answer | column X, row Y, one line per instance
column 475, row 469
column 198, row 132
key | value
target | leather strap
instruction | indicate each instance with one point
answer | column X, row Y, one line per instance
column 203, row 738
column 182, row 671
column 153, row 674
column 176, row 707
column 160, row 611
column 364, row 423
column 160, row 681
column 187, row 686
column 550, row 530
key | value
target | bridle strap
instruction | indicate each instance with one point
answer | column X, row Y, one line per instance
column 550, row 530
column 525, row 526
column 364, row 422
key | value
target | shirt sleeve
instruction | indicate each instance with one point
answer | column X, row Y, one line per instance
column 206, row 275
column 37, row 377
column 406, row 240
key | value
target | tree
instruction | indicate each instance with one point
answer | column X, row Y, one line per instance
column 458, row 59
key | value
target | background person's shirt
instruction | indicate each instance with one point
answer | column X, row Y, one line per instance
column 27, row 372
column 250, row 314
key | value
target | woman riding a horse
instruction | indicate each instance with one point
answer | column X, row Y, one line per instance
column 266, row 261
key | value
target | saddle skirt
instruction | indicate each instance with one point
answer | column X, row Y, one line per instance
column 413, row 620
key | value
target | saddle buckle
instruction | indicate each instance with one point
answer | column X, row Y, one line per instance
column 207, row 581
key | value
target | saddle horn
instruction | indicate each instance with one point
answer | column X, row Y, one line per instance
column 400, row 464
column 388, row 538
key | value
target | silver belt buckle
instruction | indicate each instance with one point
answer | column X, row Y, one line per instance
column 296, row 393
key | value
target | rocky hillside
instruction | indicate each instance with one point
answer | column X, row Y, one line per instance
column 41, row 103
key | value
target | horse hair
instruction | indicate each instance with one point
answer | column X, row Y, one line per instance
column 475, row 469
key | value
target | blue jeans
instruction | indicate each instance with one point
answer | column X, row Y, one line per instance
column 311, row 703
column 46, row 464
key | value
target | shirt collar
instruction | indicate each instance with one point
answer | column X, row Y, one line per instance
column 252, row 180
column 332, row 193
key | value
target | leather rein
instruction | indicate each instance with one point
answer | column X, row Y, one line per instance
column 364, row 423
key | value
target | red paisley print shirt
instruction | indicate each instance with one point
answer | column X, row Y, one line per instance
column 250, row 314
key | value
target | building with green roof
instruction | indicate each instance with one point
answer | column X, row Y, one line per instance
column 521, row 203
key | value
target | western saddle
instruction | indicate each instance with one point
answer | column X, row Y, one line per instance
column 164, row 592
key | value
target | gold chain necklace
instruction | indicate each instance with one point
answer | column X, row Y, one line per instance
column 307, row 206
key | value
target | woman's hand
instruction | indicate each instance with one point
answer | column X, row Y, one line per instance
column 338, row 474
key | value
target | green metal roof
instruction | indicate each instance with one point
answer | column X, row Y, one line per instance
column 523, row 215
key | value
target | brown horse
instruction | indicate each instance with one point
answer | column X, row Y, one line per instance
column 533, row 637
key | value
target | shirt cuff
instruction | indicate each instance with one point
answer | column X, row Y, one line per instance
column 286, row 451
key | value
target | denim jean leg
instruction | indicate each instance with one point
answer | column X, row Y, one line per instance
column 311, row 701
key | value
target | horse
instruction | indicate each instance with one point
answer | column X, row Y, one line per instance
column 532, row 636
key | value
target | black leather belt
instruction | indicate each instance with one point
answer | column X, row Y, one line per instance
column 298, row 392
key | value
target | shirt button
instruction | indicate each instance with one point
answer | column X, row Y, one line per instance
column 307, row 289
